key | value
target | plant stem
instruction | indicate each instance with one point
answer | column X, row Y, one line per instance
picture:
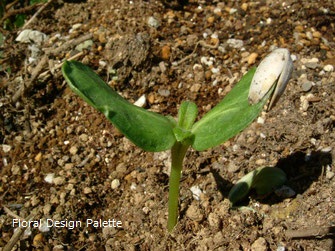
column 178, row 152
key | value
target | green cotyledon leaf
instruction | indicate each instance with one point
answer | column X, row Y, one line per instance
column 264, row 180
column 229, row 117
column 148, row 130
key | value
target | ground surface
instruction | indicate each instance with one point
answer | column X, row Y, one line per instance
column 164, row 51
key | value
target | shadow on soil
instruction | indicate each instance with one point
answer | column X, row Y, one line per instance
column 302, row 170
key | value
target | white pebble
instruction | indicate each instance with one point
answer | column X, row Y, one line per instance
column 330, row 175
column 293, row 57
column 6, row 148
column 196, row 191
column 328, row 68
column 141, row 101
column 215, row 70
column 206, row 61
column 235, row 43
column 115, row 184
column 326, row 149
column 260, row 120
column 102, row 63
column 133, row 186
column 153, row 22
column 44, row 226
column 49, row 178
column 217, row 11
column 232, row 11
column 76, row 26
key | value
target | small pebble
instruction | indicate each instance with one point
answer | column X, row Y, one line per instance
column 280, row 248
column 6, row 148
column 326, row 149
column 115, row 184
column 232, row 11
column 307, row 86
column 252, row 58
column 312, row 63
column 195, row 88
column 162, row 66
column 317, row 34
column 87, row 190
column 164, row 92
column 217, row 11
column 31, row 36
column 260, row 162
column 166, row 52
column 83, row 137
column 73, row 150
column 330, row 175
column 76, row 26
column 232, row 168
column 38, row 240
column 260, row 120
column 244, row 6
column 211, row 19
column 235, row 43
column 49, row 178
column 141, row 101
column 84, row 45
column 304, row 104
column 153, row 22
column 196, row 191
column 259, row 245
column 44, row 228
column 58, row 180
column 328, row 68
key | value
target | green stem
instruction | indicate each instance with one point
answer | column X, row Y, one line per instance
column 178, row 152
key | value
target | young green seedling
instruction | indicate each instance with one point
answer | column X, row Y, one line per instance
column 154, row 132
column 264, row 180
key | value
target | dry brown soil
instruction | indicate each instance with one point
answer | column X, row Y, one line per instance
column 164, row 51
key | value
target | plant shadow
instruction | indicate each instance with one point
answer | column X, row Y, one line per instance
column 221, row 183
column 301, row 168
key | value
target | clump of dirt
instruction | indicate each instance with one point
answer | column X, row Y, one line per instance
column 66, row 168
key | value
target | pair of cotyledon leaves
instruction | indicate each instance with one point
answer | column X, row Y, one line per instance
column 154, row 132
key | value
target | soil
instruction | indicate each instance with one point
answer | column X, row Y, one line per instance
column 61, row 160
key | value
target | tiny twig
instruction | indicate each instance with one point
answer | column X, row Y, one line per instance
column 56, row 67
column 203, row 44
column 18, row 11
column 10, row 5
column 11, row 213
column 17, row 234
column 66, row 45
column 36, row 14
column 316, row 232
column 43, row 62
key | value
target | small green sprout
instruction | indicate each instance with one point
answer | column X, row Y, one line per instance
column 264, row 180
column 154, row 132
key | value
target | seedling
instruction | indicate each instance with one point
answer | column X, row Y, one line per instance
column 264, row 180
column 154, row 132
